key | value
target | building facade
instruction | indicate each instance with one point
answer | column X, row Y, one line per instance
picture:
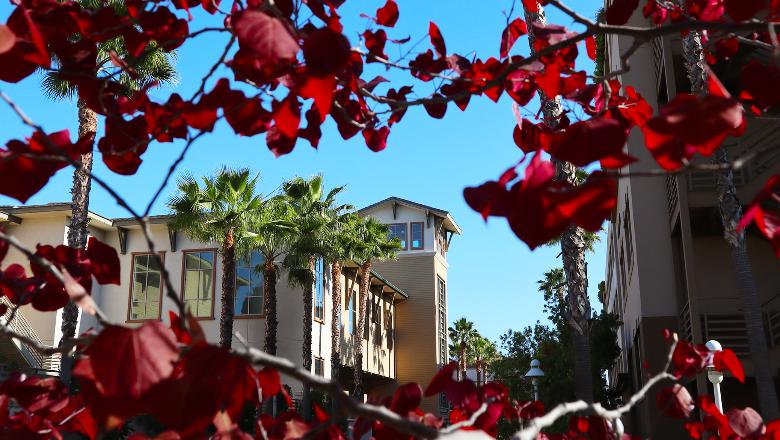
column 668, row 265
column 391, row 342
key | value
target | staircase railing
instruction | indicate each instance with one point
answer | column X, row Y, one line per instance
column 20, row 325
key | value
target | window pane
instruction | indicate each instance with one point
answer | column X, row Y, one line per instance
column 140, row 263
column 398, row 230
column 205, row 284
column 204, row 308
column 191, row 261
column 256, row 260
column 191, row 283
column 152, row 310
column 255, row 306
column 139, row 287
column 417, row 235
column 153, row 265
column 153, row 284
column 206, row 260
column 137, row 310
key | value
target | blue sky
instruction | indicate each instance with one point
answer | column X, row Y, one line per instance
column 492, row 276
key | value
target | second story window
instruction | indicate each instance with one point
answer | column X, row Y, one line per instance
column 351, row 310
column 319, row 289
column 198, row 283
column 249, row 286
column 418, row 235
column 319, row 366
column 146, row 290
column 398, row 230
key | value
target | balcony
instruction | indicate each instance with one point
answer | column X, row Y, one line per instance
column 20, row 355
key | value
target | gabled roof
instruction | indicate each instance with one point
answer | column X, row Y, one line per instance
column 449, row 221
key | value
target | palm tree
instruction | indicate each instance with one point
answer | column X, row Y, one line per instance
column 730, row 210
column 312, row 212
column 461, row 333
column 342, row 245
column 374, row 245
column 152, row 65
column 273, row 236
column 482, row 352
column 220, row 211
column 573, row 244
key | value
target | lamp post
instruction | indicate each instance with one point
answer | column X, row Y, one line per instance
column 715, row 377
column 534, row 373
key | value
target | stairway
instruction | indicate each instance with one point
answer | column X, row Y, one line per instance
column 17, row 355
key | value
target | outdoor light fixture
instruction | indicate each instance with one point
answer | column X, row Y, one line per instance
column 534, row 374
column 714, row 376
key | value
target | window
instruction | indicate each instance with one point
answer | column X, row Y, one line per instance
column 146, row 291
column 249, row 286
column 198, row 283
column 418, row 236
column 351, row 313
column 319, row 366
column 442, row 287
column 398, row 230
column 319, row 289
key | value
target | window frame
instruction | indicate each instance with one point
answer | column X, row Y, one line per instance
column 320, row 319
column 260, row 315
column 132, row 283
column 184, row 253
column 422, row 236
column 406, row 233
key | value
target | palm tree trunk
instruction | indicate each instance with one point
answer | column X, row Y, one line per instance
column 335, row 328
column 572, row 250
column 730, row 214
column 462, row 361
column 228, row 290
column 79, row 218
column 308, row 300
column 269, row 306
column 365, row 279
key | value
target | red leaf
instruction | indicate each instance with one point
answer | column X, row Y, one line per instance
column 321, row 90
column 177, row 326
column 530, row 137
column 726, row 360
column 265, row 36
column 128, row 362
column 590, row 46
column 689, row 360
column 620, row 11
column 406, row 399
column 7, row 39
column 436, row 109
column 757, row 81
column 746, row 423
column 742, row 10
column 326, row 51
column 549, row 81
column 78, row 294
column 437, row 40
column 675, row 401
column 278, row 143
column 441, row 379
column 105, row 261
column 270, row 382
column 375, row 43
column 690, row 124
column 513, row 31
column 387, row 15
column 287, row 116
column 376, row 139
column 588, row 141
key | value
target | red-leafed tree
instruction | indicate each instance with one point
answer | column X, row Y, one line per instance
column 298, row 68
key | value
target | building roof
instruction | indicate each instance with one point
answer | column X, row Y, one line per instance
column 449, row 222
column 16, row 214
column 152, row 219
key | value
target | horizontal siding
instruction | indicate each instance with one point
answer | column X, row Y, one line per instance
column 415, row 320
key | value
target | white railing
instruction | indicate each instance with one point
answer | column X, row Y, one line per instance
column 20, row 325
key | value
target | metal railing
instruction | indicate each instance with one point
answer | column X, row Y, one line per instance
column 19, row 324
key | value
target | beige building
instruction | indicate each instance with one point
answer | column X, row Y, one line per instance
column 400, row 345
column 668, row 265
